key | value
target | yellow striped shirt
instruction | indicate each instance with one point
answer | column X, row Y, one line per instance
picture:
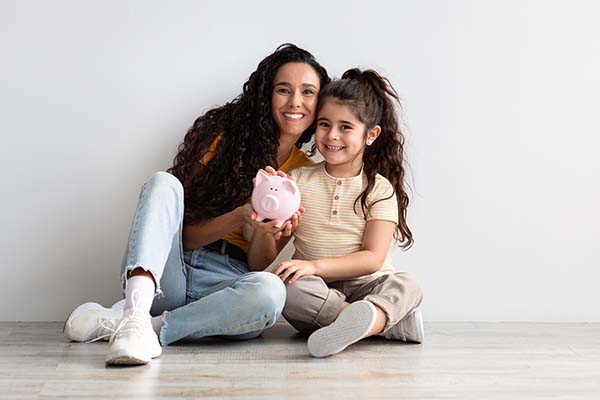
column 330, row 227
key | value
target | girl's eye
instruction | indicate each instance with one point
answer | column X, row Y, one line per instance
column 323, row 124
column 345, row 127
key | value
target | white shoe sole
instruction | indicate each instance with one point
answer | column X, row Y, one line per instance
column 353, row 324
column 129, row 358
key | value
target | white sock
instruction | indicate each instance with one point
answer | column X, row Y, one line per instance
column 139, row 293
column 157, row 323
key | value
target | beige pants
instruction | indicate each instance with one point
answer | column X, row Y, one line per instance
column 312, row 303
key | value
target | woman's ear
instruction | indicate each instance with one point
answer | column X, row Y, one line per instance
column 372, row 134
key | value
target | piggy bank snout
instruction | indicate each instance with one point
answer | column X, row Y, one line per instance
column 269, row 203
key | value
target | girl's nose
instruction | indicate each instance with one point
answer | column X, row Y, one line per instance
column 334, row 134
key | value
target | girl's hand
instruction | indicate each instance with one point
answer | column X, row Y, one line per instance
column 295, row 269
column 294, row 221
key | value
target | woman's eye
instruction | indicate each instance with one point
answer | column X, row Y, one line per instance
column 308, row 93
column 283, row 91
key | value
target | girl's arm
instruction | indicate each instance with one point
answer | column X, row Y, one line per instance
column 207, row 231
column 375, row 245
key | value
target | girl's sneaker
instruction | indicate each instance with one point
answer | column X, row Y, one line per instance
column 353, row 324
column 410, row 329
column 91, row 322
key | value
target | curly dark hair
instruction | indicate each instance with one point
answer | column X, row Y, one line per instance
column 372, row 98
column 249, row 139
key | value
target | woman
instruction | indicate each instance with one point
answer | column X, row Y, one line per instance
column 186, row 243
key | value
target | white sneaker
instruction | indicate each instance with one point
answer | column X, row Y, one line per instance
column 351, row 325
column 119, row 305
column 410, row 329
column 91, row 322
column 133, row 341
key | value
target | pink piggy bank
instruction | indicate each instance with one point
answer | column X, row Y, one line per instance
column 275, row 197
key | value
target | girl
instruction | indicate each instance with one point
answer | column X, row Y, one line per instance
column 186, row 243
column 341, row 286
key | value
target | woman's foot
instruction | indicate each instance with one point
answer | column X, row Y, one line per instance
column 133, row 342
column 91, row 322
column 353, row 324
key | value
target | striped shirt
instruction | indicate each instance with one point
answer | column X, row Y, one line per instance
column 330, row 227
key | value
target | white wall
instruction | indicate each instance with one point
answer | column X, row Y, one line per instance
column 500, row 101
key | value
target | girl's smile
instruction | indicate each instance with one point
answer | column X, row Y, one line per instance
column 341, row 139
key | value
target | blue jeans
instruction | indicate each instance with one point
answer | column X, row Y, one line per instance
column 200, row 292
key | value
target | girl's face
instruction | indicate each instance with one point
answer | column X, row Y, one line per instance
column 341, row 138
column 294, row 100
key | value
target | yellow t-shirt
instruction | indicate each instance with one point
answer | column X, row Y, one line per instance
column 330, row 227
column 296, row 159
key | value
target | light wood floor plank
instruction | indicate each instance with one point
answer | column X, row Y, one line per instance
column 457, row 361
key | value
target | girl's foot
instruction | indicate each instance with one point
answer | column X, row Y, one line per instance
column 353, row 324
column 410, row 329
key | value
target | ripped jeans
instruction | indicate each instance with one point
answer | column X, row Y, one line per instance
column 201, row 292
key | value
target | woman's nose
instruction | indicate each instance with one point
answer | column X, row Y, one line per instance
column 296, row 100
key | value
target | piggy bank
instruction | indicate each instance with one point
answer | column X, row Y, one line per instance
column 275, row 197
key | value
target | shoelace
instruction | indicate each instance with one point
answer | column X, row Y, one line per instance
column 107, row 326
column 129, row 315
column 113, row 331
column 130, row 324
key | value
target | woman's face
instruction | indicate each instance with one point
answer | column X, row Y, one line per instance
column 294, row 101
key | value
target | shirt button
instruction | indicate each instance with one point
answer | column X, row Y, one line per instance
column 334, row 212
column 339, row 182
column 336, row 198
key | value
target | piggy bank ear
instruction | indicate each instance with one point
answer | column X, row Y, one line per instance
column 289, row 186
column 260, row 178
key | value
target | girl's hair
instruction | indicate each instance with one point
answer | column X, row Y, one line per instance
column 249, row 138
column 372, row 98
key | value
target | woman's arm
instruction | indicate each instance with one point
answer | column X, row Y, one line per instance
column 207, row 231
column 268, row 241
column 262, row 250
column 376, row 242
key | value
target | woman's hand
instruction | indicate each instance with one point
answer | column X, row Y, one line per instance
column 289, row 226
column 246, row 213
column 269, row 228
column 271, row 171
column 295, row 269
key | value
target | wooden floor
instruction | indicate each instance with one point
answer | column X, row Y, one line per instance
column 458, row 361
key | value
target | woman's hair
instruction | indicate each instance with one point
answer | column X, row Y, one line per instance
column 249, row 139
column 372, row 99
